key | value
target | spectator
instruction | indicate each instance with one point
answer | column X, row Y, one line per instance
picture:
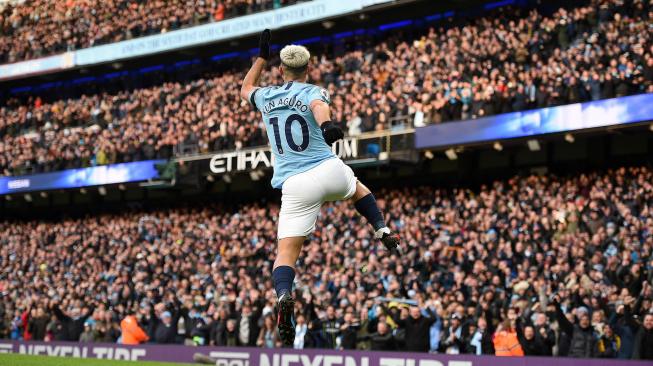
column 531, row 342
column 480, row 342
column 644, row 340
column 349, row 330
column 418, row 327
column 268, row 337
column 164, row 322
column 248, row 328
column 331, row 327
column 582, row 336
column 73, row 324
column 383, row 339
column 300, row 332
column 38, row 324
column 608, row 344
column 451, row 341
column 131, row 332
column 506, row 342
column 89, row 334
column 545, row 333
column 230, row 337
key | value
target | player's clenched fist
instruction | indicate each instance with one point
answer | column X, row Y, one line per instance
column 264, row 45
column 331, row 132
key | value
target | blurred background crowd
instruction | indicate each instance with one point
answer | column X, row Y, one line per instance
column 38, row 28
column 513, row 60
column 533, row 265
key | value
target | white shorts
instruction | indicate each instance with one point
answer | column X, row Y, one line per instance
column 302, row 196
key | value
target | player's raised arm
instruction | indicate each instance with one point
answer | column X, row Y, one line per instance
column 254, row 74
column 322, row 115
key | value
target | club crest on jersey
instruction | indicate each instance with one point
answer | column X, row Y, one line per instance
column 325, row 94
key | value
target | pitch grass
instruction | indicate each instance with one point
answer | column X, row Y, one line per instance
column 9, row 359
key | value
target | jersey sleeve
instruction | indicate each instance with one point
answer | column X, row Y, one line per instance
column 255, row 97
column 317, row 93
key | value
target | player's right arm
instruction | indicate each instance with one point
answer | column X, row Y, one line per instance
column 250, row 83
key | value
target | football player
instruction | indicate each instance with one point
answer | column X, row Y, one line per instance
column 298, row 122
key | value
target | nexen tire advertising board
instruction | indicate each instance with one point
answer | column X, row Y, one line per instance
column 285, row 357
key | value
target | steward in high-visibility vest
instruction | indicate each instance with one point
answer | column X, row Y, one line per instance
column 506, row 343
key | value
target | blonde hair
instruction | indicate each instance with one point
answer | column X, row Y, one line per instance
column 294, row 56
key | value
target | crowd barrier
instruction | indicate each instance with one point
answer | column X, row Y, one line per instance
column 286, row 357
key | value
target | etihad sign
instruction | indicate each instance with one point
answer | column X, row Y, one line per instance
column 246, row 160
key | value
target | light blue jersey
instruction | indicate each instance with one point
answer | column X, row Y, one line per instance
column 295, row 137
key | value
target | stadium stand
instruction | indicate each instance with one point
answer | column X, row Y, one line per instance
column 33, row 29
column 509, row 61
column 555, row 260
column 548, row 265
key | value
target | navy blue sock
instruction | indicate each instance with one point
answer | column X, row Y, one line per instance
column 367, row 207
column 283, row 276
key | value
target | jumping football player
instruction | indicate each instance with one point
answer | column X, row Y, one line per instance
column 300, row 131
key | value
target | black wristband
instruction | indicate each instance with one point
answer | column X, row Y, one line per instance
column 326, row 125
column 331, row 132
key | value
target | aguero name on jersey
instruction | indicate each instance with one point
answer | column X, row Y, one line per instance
column 295, row 137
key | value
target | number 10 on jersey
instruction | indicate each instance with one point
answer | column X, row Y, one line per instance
column 274, row 121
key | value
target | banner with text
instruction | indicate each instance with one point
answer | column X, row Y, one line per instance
column 82, row 177
column 285, row 357
column 226, row 29
column 572, row 117
column 37, row 66
column 188, row 37
column 241, row 161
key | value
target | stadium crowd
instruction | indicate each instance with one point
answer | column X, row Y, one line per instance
column 513, row 60
column 38, row 28
column 533, row 265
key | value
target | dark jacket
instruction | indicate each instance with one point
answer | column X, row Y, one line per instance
column 532, row 347
column 37, row 327
column 548, row 339
column 383, row 342
column 218, row 335
column 71, row 328
column 625, row 327
column 349, row 336
column 252, row 322
column 165, row 334
column 446, row 340
column 418, row 331
column 161, row 333
column 254, row 328
column 199, row 328
column 331, row 329
column 643, row 344
column 583, row 340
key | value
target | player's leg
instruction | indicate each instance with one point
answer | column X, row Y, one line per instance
column 300, row 205
column 366, row 205
column 340, row 183
column 283, row 276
